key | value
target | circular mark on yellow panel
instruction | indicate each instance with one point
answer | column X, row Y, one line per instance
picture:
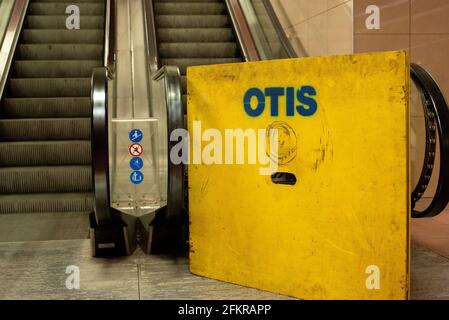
column 286, row 142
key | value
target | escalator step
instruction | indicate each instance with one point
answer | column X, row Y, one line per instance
column 43, row 8
column 46, row 179
column 183, row 8
column 74, row 107
column 46, row 202
column 192, row 21
column 54, row 87
column 198, row 50
column 44, row 36
column 59, row 22
column 54, row 68
column 41, row 153
column 59, row 51
column 184, row 63
column 195, row 35
column 45, row 129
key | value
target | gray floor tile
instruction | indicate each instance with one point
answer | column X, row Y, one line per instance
column 36, row 270
column 168, row 278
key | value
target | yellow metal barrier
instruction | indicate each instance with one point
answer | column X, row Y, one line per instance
column 335, row 227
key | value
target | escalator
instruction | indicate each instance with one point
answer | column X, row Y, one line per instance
column 47, row 184
column 45, row 173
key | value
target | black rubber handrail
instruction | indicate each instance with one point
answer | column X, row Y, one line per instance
column 99, row 120
column 175, row 120
column 436, row 113
column 100, row 145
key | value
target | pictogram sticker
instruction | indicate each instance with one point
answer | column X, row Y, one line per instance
column 136, row 163
column 135, row 135
column 136, row 177
column 135, row 149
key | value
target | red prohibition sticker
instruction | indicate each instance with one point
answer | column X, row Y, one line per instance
column 135, row 149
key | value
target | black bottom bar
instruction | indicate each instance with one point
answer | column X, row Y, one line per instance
column 115, row 239
column 158, row 236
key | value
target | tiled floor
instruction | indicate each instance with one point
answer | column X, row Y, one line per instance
column 37, row 270
column 432, row 232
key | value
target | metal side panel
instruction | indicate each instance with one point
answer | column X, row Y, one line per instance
column 8, row 45
column 341, row 229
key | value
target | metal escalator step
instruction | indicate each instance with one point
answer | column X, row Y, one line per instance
column 53, row 87
column 47, row 179
column 41, row 153
column 59, row 22
column 44, row 226
column 46, row 202
column 198, row 50
column 192, row 21
column 190, row 7
column 45, row 129
column 45, row 36
column 74, row 107
column 195, row 35
column 184, row 63
column 43, row 8
column 59, row 51
column 54, row 68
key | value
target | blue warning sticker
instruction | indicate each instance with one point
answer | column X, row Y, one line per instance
column 135, row 135
column 136, row 163
column 136, row 177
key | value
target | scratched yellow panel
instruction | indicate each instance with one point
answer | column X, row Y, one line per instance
column 349, row 208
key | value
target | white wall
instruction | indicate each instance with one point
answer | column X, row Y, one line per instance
column 317, row 27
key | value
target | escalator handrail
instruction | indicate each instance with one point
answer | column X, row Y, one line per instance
column 8, row 45
column 175, row 120
column 151, row 36
column 242, row 31
column 100, row 145
column 100, row 119
column 435, row 99
column 291, row 53
column 110, row 37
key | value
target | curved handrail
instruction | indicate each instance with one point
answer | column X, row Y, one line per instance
column 430, row 133
column 434, row 100
column 175, row 120
column 99, row 145
column 99, row 120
